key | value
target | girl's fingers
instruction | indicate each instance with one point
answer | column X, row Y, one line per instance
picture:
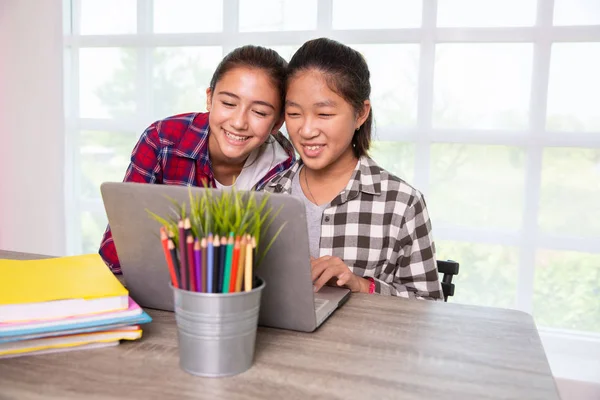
column 316, row 270
column 325, row 276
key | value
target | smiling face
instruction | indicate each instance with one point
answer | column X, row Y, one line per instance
column 321, row 123
column 245, row 108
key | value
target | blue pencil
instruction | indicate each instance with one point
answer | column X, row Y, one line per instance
column 209, row 264
column 222, row 252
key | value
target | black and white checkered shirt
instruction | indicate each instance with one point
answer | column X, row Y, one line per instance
column 379, row 225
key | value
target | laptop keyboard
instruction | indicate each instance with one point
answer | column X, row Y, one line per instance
column 320, row 303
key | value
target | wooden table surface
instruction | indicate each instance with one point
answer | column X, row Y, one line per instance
column 373, row 347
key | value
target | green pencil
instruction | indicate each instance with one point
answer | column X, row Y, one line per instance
column 228, row 257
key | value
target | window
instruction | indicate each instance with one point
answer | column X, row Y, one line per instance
column 491, row 111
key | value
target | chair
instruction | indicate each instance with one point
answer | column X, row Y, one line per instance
column 448, row 268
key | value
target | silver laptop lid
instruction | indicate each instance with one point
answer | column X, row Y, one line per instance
column 287, row 300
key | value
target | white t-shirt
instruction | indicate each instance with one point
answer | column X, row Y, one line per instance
column 258, row 163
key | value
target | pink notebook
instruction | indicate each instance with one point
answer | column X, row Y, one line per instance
column 77, row 321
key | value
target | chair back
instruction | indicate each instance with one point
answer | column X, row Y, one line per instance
column 448, row 269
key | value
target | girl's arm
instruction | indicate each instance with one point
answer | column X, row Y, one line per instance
column 416, row 274
column 145, row 167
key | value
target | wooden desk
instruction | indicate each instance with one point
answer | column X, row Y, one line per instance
column 373, row 347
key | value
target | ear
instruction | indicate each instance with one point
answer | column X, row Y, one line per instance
column 364, row 114
column 208, row 99
column 278, row 125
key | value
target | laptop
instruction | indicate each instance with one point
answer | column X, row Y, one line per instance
column 288, row 300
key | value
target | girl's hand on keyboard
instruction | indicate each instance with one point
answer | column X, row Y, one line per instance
column 333, row 270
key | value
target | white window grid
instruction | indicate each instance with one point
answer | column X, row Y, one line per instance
column 534, row 139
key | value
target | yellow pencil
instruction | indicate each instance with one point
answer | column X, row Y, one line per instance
column 248, row 267
column 241, row 265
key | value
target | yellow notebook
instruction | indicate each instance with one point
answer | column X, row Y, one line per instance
column 57, row 288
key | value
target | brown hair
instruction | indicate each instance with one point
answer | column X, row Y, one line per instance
column 257, row 57
column 346, row 73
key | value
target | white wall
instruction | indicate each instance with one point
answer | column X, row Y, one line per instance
column 31, row 127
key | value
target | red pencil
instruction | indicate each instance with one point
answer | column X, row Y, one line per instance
column 190, row 263
column 234, row 265
column 165, row 243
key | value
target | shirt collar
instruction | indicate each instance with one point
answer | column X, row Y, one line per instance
column 366, row 178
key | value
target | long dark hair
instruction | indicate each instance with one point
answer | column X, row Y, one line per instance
column 346, row 73
column 257, row 57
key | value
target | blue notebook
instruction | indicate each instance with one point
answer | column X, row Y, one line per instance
column 73, row 327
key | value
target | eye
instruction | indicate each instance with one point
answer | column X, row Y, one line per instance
column 262, row 114
column 292, row 114
column 326, row 115
column 226, row 104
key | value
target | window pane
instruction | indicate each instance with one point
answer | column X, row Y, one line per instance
column 92, row 228
column 488, row 273
column 566, row 290
column 396, row 157
column 107, row 79
column 182, row 16
column 379, row 14
column 394, row 78
column 104, row 158
column 477, row 186
column 98, row 17
column 570, row 192
column 285, row 51
column 574, row 87
column 181, row 76
column 483, row 86
column 489, row 13
column 277, row 15
column 576, row 12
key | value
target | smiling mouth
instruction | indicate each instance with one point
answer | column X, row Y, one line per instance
column 237, row 138
column 313, row 148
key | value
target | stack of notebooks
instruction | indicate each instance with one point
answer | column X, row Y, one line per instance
column 62, row 304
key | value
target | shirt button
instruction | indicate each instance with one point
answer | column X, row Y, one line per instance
column 327, row 219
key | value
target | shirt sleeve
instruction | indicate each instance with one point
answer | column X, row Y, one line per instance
column 145, row 167
column 416, row 274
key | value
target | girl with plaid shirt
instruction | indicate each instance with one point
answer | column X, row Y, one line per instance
column 368, row 229
column 238, row 136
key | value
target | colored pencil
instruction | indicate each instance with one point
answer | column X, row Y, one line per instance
column 182, row 258
column 204, row 266
column 187, row 227
column 222, row 257
column 191, row 264
column 248, row 268
column 165, row 244
column 209, row 263
column 198, row 265
column 235, row 260
column 216, row 251
column 228, row 257
column 173, row 251
column 241, row 265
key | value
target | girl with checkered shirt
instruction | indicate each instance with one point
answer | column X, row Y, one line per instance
column 369, row 230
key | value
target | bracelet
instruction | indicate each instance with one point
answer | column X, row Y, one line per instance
column 371, row 285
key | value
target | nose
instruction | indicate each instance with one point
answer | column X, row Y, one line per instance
column 239, row 121
column 308, row 129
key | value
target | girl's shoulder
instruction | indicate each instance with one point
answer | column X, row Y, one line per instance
column 387, row 184
column 172, row 130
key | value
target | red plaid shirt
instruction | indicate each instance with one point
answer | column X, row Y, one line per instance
column 174, row 151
